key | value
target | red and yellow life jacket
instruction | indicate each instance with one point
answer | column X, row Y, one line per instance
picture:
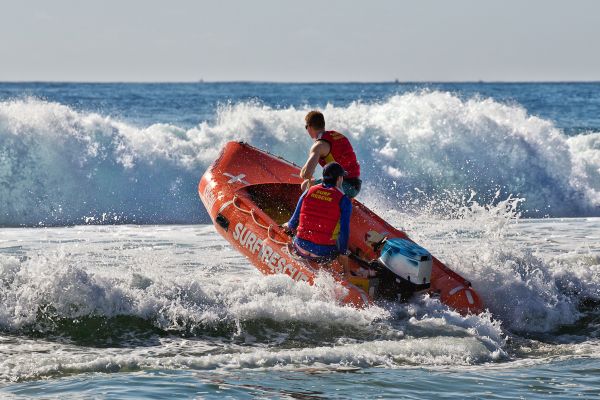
column 341, row 151
column 320, row 215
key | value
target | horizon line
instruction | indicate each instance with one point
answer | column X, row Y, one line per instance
column 201, row 81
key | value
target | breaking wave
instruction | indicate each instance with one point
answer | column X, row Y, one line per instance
column 60, row 166
column 122, row 298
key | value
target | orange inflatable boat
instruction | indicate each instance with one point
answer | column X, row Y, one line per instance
column 249, row 193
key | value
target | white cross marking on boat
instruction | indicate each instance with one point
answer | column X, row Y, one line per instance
column 238, row 178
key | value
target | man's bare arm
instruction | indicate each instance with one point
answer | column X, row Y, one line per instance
column 318, row 150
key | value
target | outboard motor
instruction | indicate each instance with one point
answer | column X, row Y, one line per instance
column 408, row 260
column 404, row 268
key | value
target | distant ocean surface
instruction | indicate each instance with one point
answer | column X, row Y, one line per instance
column 113, row 284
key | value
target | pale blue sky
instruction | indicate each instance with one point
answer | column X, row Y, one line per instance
column 312, row 40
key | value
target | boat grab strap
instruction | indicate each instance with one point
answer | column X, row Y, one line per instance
column 248, row 211
column 238, row 207
column 254, row 218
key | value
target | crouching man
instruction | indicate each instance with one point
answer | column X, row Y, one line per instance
column 322, row 220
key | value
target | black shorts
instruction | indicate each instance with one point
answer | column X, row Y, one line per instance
column 352, row 186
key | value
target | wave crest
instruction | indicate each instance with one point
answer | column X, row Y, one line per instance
column 61, row 166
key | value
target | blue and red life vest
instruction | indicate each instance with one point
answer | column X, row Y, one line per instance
column 320, row 215
column 341, row 151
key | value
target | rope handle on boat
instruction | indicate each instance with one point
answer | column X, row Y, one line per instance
column 272, row 239
column 250, row 211
column 238, row 207
column 256, row 221
column 254, row 218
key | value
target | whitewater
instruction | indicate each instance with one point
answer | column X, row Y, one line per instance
column 114, row 282
column 60, row 166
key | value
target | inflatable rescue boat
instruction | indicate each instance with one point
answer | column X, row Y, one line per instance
column 249, row 193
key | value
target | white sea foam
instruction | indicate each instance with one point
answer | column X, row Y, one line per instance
column 184, row 280
column 36, row 361
column 61, row 285
column 28, row 359
column 62, row 166
column 533, row 275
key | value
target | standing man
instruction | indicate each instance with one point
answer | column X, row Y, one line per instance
column 322, row 219
column 330, row 146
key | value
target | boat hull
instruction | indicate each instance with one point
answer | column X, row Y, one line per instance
column 248, row 193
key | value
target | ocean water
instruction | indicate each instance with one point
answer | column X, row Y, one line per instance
column 114, row 285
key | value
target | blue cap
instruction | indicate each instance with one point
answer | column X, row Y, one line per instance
column 333, row 170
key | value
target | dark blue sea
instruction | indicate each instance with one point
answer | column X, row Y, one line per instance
column 114, row 284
